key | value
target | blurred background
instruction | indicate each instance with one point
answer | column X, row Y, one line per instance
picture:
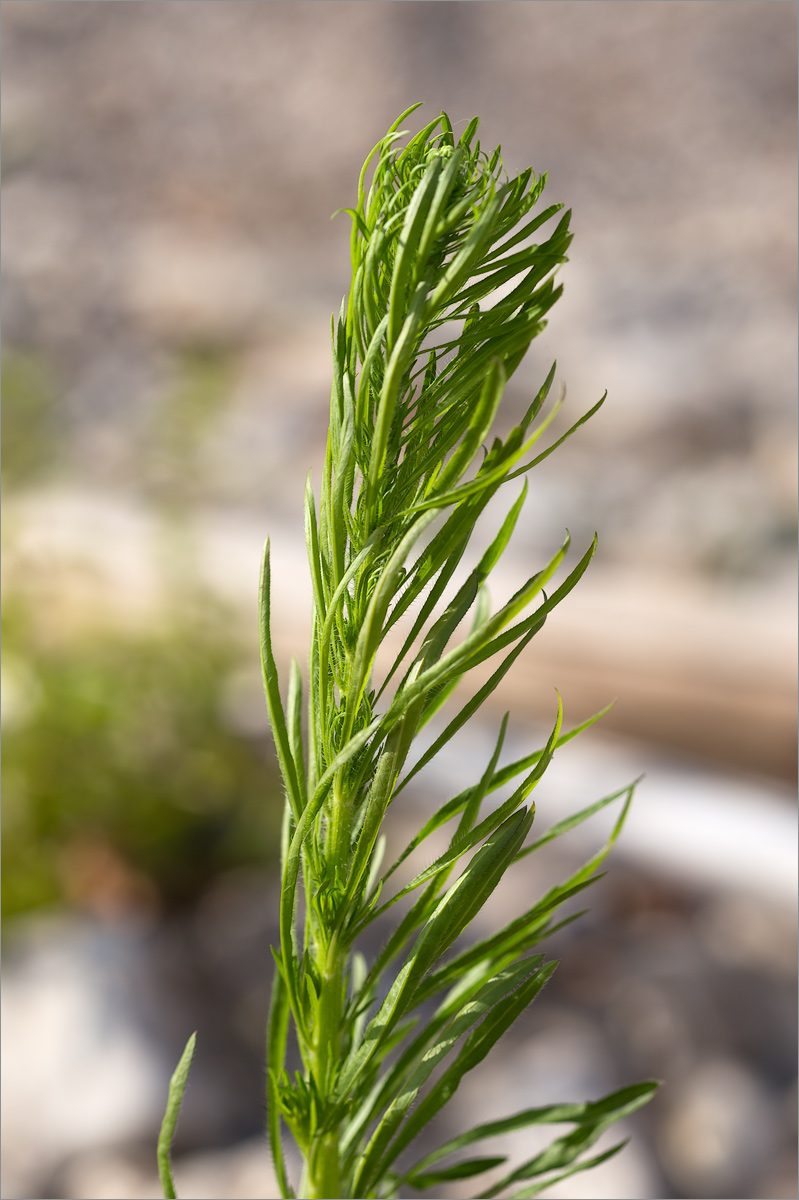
column 169, row 268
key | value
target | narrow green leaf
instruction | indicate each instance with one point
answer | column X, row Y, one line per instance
column 276, row 1039
column 536, row 619
column 598, row 859
column 442, row 556
column 585, row 1165
column 476, row 647
column 357, row 565
column 482, row 420
column 525, row 230
column 272, row 691
column 376, row 804
column 425, row 1054
column 455, row 910
column 560, row 1153
column 292, row 865
column 571, row 822
column 464, row 841
column 462, row 1170
column 177, row 1086
column 405, row 263
column 515, row 939
column 294, row 726
column 477, row 1046
column 453, row 807
column 487, row 563
column 551, row 449
column 314, row 551
column 515, row 768
column 371, row 630
column 614, row 1106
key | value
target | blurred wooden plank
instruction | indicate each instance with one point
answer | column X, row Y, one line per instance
column 703, row 670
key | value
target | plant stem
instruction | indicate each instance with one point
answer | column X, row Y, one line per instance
column 339, row 831
column 324, row 1180
column 324, row 1176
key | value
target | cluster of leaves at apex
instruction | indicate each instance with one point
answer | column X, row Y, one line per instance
column 447, row 293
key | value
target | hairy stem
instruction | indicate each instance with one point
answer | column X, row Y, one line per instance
column 324, row 1175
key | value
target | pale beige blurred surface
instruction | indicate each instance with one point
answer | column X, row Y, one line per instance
column 169, row 173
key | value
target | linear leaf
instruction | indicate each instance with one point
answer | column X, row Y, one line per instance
column 477, row 646
column 455, row 806
column 615, row 1105
column 463, row 841
column 177, row 1086
column 455, row 910
column 276, row 1038
column 492, row 993
column 560, row 1153
column 272, row 690
column 465, row 1169
column 477, row 1046
column 585, row 1165
column 592, row 864
column 516, row 938
column 574, row 819
column 551, row 449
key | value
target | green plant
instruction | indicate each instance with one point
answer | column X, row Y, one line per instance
column 420, row 365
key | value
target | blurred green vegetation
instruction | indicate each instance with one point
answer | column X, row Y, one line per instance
column 119, row 763
column 30, row 440
column 173, row 468
column 130, row 777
